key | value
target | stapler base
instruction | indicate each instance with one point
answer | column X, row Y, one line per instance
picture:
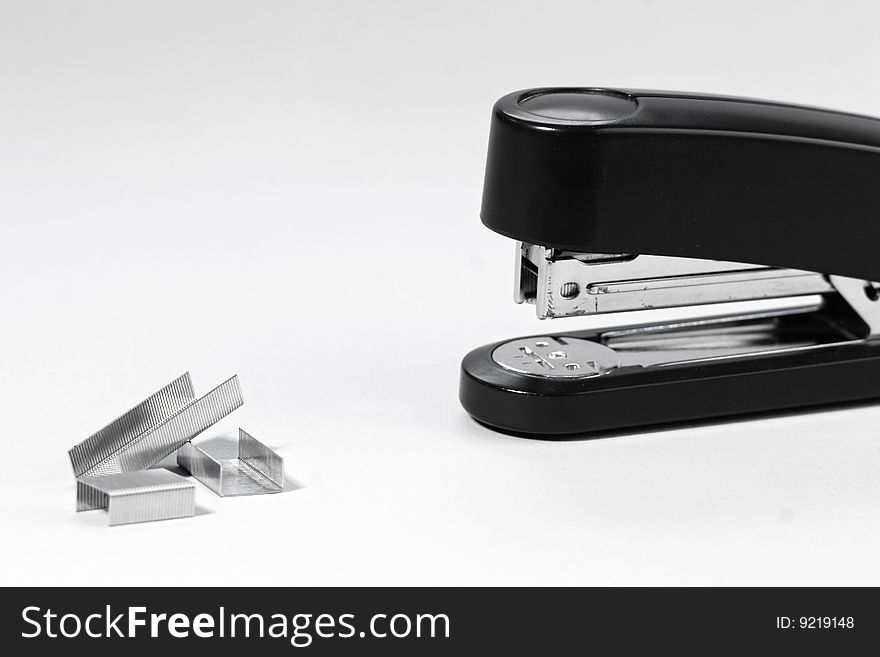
column 660, row 374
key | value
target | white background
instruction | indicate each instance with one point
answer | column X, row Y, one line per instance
column 290, row 191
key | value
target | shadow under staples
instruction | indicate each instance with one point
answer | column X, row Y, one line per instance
column 291, row 484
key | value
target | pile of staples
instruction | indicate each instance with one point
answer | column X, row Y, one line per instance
column 115, row 468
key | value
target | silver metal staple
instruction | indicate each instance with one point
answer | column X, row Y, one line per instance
column 133, row 497
column 154, row 429
column 130, row 425
column 257, row 469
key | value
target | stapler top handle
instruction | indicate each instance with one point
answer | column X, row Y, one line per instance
column 685, row 175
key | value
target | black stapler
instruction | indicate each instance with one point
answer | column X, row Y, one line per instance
column 765, row 214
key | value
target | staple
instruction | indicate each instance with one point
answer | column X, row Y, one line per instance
column 154, row 429
column 132, row 497
column 255, row 471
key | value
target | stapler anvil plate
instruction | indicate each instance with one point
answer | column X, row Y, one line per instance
column 644, row 200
